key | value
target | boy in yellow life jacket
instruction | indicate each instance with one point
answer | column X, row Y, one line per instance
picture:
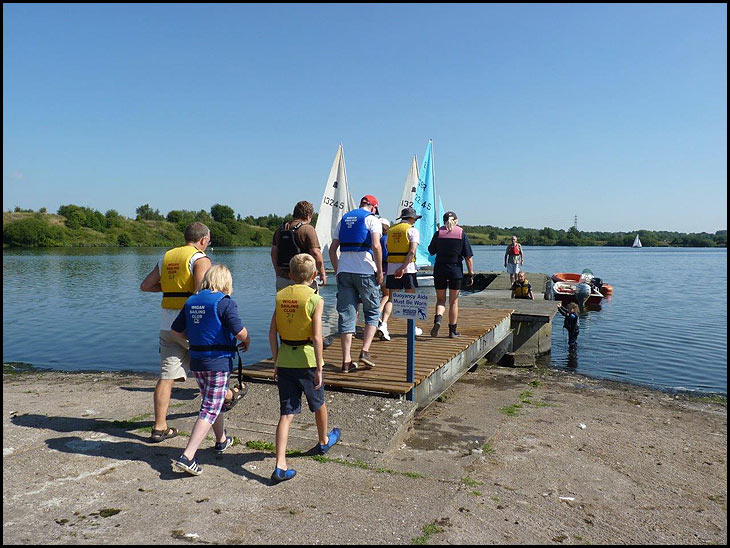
column 298, row 361
column 522, row 289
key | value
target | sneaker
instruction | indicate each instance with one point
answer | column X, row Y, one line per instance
column 280, row 475
column 382, row 332
column 419, row 331
column 366, row 360
column 349, row 367
column 220, row 447
column 183, row 464
column 332, row 438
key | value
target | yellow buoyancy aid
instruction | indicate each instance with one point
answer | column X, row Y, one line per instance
column 398, row 244
column 294, row 314
column 176, row 279
column 522, row 289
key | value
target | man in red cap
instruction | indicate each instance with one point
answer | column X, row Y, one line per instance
column 359, row 271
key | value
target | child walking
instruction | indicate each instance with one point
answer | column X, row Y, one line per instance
column 571, row 322
column 210, row 321
column 297, row 320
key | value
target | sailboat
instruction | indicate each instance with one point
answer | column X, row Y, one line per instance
column 637, row 242
column 409, row 188
column 336, row 201
column 427, row 203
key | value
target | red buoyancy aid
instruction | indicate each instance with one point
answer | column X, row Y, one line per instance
column 514, row 250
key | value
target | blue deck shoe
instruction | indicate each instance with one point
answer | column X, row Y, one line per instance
column 333, row 438
column 220, row 447
column 280, row 475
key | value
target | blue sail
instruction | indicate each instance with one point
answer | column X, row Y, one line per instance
column 424, row 202
column 440, row 218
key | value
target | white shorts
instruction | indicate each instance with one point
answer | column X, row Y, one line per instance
column 513, row 268
column 174, row 357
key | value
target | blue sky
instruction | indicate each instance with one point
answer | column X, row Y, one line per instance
column 614, row 113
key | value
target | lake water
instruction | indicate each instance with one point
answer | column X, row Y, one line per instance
column 664, row 327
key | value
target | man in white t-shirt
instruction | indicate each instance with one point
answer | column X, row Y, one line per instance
column 403, row 239
column 359, row 271
column 177, row 275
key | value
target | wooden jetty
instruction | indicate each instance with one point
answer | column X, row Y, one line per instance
column 440, row 361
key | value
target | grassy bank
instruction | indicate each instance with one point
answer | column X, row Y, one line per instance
column 77, row 226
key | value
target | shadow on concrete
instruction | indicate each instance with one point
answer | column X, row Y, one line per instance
column 177, row 393
column 159, row 460
column 137, row 449
column 118, row 428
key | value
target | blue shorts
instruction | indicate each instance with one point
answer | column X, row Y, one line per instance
column 292, row 382
column 352, row 288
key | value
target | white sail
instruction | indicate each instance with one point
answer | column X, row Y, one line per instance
column 336, row 201
column 409, row 188
column 637, row 242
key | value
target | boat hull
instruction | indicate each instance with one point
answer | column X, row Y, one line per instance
column 605, row 289
column 567, row 292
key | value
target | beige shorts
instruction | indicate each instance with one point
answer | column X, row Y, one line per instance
column 174, row 357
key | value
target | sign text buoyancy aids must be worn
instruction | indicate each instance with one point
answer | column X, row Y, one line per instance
column 411, row 306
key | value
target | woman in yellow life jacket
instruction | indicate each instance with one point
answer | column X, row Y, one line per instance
column 522, row 289
column 402, row 242
column 298, row 360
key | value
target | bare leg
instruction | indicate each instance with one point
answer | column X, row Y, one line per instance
column 200, row 430
column 453, row 306
column 367, row 337
column 218, row 429
column 161, row 398
column 320, row 417
column 386, row 306
column 282, row 436
column 440, row 302
column 346, row 340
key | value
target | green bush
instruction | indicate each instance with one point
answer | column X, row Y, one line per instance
column 219, row 234
column 32, row 232
column 124, row 239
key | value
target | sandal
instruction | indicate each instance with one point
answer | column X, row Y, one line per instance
column 237, row 396
column 162, row 435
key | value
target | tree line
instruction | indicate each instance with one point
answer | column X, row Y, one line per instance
column 492, row 235
column 74, row 225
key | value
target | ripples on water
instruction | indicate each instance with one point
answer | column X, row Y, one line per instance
column 664, row 327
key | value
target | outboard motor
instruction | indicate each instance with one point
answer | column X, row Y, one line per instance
column 582, row 292
column 597, row 283
column 549, row 290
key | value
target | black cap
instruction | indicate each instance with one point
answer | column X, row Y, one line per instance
column 409, row 213
column 449, row 214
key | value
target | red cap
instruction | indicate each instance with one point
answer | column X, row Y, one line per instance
column 370, row 200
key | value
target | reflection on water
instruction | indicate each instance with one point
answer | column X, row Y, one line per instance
column 78, row 309
column 571, row 361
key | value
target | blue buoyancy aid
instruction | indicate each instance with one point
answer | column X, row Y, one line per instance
column 208, row 337
column 571, row 322
column 354, row 234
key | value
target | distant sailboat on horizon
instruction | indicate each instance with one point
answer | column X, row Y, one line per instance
column 637, row 242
